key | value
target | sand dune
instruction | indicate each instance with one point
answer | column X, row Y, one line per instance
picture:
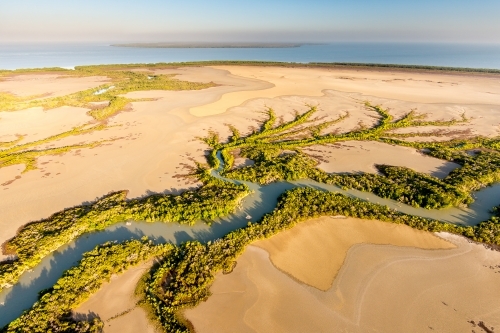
column 380, row 288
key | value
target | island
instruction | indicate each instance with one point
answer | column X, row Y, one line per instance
column 210, row 45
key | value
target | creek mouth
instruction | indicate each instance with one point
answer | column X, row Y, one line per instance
column 262, row 200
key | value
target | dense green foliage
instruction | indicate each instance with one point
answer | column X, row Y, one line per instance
column 52, row 312
column 268, row 168
column 478, row 169
column 397, row 183
column 36, row 240
column 403, row 185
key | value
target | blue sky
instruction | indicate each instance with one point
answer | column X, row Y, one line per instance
column 245, row 20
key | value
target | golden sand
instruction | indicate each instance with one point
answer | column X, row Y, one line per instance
column 313, row 252
column 116, row 304
column 380, row 288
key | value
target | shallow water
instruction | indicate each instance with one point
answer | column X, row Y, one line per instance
column 262, row 200
column 19, row 55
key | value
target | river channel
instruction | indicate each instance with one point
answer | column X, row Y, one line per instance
column 262, row 200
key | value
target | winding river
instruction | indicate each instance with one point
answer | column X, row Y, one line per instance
column 262, row 200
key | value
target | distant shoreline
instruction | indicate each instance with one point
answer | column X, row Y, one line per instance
column 367, row 66
column 210, row 45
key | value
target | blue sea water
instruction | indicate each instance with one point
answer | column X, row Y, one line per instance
column 13, row 56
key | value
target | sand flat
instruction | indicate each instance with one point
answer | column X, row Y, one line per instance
column 362, row 157
column 380, row 288
column 116, row 304
column 409, row 86
column 36, row 124
column 313, row 252
column 48, row 85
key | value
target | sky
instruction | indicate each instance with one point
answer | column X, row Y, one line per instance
column 250, row 20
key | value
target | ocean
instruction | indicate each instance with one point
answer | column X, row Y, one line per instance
column 14, row 56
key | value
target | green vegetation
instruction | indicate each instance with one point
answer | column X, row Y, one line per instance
column 36, row 240
column 275, row 149
column 27, row 153
column 264, row 63
column 403, row 185
column 186, row 272
column 314, row 65
column 185, row 275
column 304, row 131
column 52, row 312
column 478, row 168
column 397, row 183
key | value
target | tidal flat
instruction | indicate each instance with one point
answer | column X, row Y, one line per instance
column 59, row 149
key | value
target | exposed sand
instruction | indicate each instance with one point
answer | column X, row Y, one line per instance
column 400, row 85
column 156, row 140
column 313, row 252
column 362, row 157
column 48, row 85
column 116, row 305
column 35, row 123
column 380, row 288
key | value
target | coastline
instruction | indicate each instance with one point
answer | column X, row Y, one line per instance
column 325, row 65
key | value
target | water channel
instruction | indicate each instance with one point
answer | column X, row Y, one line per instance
column 262, row 200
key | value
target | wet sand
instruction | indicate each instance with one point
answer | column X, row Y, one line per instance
column 362, row 157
